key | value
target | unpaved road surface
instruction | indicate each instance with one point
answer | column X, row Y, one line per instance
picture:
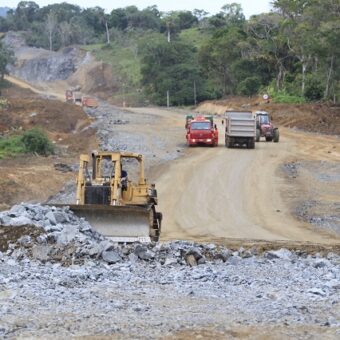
column 219, row 193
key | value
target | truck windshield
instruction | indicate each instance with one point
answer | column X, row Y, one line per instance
column 200, row 126
column 264, row 119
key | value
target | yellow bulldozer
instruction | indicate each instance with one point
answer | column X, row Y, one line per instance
column 116, row 206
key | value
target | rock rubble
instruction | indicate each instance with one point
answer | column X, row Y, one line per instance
column 54, row 263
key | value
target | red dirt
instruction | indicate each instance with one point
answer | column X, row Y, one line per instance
column 34, row 178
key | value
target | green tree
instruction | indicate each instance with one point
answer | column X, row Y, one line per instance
column 217, row 56
column 312, row 31
column 118, row 19
column 25, row 13
column 249, row 86
column 231, row 15
column 170, row 67
column 6, row 58
column 268, row 45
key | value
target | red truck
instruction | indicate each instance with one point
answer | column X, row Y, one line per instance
column 201, row 130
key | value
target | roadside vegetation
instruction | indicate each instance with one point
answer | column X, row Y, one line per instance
column 291, row 53
column 33, row 141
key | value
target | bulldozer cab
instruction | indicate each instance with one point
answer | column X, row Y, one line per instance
column 103, row 180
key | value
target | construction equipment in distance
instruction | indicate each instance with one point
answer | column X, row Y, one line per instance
column 74, row 96
column 201, row 130
column 265, row 128
column 111, row 203
column 240, row 129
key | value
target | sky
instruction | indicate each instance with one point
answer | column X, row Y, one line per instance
column 249, row 7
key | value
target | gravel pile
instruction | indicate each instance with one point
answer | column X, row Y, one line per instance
column 54, row 234
column 80, row 283
column 119, row 130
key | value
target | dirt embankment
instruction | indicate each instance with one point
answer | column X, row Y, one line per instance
column 316, row 117
column 35, row 178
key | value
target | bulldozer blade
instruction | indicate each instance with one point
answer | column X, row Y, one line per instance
column 119, row 223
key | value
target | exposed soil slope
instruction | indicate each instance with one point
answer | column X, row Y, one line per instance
column 30, row 177
column 321, row 118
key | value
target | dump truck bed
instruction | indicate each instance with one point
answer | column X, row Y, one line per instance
column 240, row 124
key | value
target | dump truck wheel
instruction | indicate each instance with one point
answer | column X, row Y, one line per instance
column 276, row 136
column 227, row 142
column 258, row 134
column 251, row 144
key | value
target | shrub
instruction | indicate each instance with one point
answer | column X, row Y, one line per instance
column 249, row 86
column 313, row 88
column 35, row 140
column 284, row 97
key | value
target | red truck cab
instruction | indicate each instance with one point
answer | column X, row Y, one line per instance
column 201, row 131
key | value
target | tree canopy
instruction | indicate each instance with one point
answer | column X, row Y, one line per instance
column 6, row 57
column 292, row 51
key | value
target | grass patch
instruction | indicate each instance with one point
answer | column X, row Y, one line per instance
column 288, row 99
column 31, row 141
column 11, row 146
column 282, row 97
column 123, row 58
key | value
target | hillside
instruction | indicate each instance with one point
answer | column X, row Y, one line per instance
column 190, row 56
column 318, row 117
column 126, row 62
column 28, row 177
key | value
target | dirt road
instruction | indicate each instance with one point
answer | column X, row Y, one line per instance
column 55, row 90
column 211, row 194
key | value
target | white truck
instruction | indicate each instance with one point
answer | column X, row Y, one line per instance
column 240, row 129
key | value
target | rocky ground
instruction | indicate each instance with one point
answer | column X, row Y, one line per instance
column 79, row 284
column 317, row 208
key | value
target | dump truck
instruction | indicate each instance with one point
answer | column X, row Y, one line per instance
column 201, row 130
column 117, row 206
column 73, row 94
column 265, row 128
column 89, row 101
column 240, row 129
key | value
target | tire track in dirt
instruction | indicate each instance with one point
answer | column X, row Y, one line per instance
column 218, row 193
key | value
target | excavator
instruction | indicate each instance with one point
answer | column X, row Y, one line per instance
column 111, row 202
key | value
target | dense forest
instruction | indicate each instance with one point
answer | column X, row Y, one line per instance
column 292, row 53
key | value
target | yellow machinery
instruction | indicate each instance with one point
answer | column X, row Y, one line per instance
column 113, row 204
